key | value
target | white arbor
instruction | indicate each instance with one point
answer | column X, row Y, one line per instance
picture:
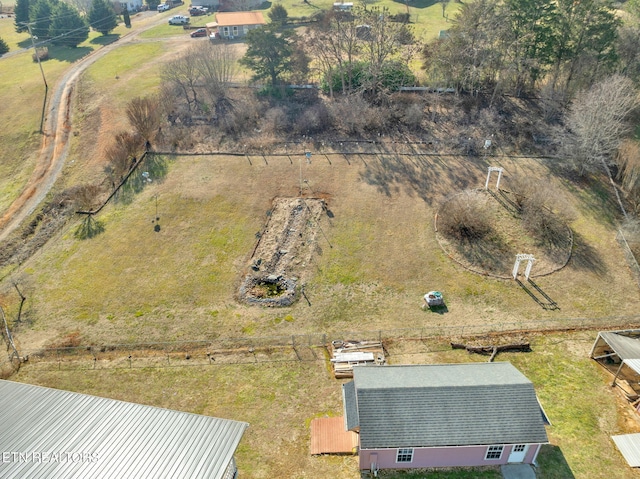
column 523, row 257
column 491, row 170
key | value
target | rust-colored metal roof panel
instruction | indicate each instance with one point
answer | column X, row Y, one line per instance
column 229, row 19
column 328, row 436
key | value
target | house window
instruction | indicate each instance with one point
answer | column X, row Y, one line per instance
column 235, row 31
column 245, row 28
column 494, row 452
column 225, row 31
column 404, row 455
column 519, row 447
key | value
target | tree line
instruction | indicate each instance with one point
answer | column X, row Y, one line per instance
column 62, row 23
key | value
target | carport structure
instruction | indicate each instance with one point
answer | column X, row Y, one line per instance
column 619, row 352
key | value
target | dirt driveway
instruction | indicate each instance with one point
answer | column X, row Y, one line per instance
column 55, row 141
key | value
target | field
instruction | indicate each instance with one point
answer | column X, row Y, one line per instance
column 375, row 256
column 172, row 256
column 279, row 400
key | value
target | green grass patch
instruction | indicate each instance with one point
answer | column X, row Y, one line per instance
column 164, row 31
column 462, row 473
column 124, row 62
column 8, row 33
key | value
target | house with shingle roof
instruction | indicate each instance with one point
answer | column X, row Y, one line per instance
column 443, row 415
column 55, row 434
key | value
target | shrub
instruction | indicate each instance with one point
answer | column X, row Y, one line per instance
column 41, row 54
column 464, row 217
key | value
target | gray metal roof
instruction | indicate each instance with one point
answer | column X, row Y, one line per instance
column 625, row 347
column 629, row 446
column 446, row 405
column 106, row 438
column 351, row 420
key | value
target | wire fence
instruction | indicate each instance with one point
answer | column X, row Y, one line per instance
column 294, row 348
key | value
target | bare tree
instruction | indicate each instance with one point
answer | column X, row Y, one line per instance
column 144, row 116
column 121, row 153
column 333, row 42
column 542, row 209
column 217, row 65
column 182, row 74
column 597, row 121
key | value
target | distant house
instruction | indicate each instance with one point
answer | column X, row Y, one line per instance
column 233, row 25
column 228, row 5
column 443, row 416
column 58, row 434
column 131, row 5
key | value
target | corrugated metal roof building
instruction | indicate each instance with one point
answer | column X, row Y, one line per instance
column 53, row 434
column 619, row 352
column 443, row 415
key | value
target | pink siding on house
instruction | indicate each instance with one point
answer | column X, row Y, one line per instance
column 439, row 457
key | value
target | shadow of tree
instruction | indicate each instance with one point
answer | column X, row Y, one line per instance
column 105, row 39
column 585, row 257
column 596, row 193
column 417, row 174
column 89, row 228
column 552, row 463
column 491, row 254
column 417, row 3
column 68, row 54
column 153, row 168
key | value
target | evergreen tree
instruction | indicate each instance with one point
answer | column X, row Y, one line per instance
column 102, row 16
column 68, row 28
column 40, row 17
column 269, row 53
column 4, row 48
column 21, row 12
column 278, row 15
column 126, row 18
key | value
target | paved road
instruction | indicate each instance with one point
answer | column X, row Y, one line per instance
column 55, row 142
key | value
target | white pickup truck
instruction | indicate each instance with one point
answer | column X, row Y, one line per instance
column 178, row 20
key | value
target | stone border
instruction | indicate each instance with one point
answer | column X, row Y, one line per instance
column 287, row 298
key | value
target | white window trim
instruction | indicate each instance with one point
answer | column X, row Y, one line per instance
column 492, row 450
column 404, row 451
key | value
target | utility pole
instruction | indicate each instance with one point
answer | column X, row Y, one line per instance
column 46, row 87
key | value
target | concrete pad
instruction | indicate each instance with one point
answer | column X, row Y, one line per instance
column 517, row 471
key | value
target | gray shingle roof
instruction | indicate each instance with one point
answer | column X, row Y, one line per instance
column 351, row 420
column 99, row 437
column 446, row 405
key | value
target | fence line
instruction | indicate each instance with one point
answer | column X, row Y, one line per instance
column 292, row 348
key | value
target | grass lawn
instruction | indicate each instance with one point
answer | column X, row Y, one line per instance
column 376, row 257
column 279, row 400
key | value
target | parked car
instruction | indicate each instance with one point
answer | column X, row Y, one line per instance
column 200, row 32
column 178, row 20
column 197, row 11
column 163, row 7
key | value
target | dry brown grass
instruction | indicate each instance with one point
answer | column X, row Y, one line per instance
column 375, row 258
